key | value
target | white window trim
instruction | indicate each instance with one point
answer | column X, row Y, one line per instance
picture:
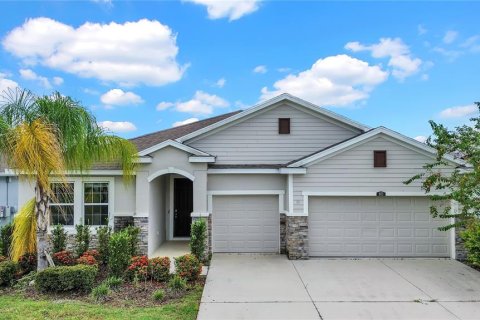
column 79, row 209
column 55, row 204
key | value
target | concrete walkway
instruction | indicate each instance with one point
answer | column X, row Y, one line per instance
column 272, row 287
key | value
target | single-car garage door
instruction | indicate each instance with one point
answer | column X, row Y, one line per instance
column 375, row 226
column 244, row 223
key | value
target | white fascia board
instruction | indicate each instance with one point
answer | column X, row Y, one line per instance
column 258, row 171
column 268, row 103
column 174, row 144
column 380, row 130
column 144, row 160
column 195, row 159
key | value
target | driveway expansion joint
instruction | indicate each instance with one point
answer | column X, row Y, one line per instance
column 306, row 289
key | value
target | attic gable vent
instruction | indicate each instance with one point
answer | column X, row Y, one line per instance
column 284, row 125
column 380, row 159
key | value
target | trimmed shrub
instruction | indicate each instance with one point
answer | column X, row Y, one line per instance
column 82, row 239
column 25, row 281
column 87, row 259
column 8, row 270
column 6, row 239
column 28, row 262
column 101, row 292
column 138, row 268
column 188, row 267
column 113, row 282
column 471, row 238
column 177, row 284
column 159, row 268
column 134, row 233
column 198, row 238
column 103, row 234
column 119, row 253
column 59, row 238
column 158, row 295
column 63, row 258
column 66, row 278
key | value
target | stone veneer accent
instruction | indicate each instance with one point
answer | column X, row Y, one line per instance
column 297, row 237
column 121, row 222
column 283, row 235
column 142, row 223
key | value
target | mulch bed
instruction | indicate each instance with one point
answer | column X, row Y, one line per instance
column 126, row 295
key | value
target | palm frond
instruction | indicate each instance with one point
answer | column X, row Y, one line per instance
column 24, row 236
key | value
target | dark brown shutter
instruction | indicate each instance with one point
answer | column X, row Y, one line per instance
column 284, row 125
column 380, row 159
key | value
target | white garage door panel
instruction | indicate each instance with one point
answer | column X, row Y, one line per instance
column 375, row 226
column 246, row 223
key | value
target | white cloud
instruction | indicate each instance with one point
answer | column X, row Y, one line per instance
column 6, row 84
column 425, row 77
column 221, row 83
column 421, row 30
column 472, row 44
column 401, row 61
column 459, row 111
column 201, row 103
column 336, row 80
column 58, row 81
column 184, row 122
column 284, row 69
column 450, row 36
column 29, row 74
column 451, row 55
column 118, row 97
column 260, row 69
column 130, row 53
column 120, row 126
column 232, row 9
column 421, row 139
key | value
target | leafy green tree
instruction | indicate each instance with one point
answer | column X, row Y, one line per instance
column 462, row 184
column 45, row 135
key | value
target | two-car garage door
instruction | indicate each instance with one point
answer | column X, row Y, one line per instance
column 375, row 226
column 246, row 223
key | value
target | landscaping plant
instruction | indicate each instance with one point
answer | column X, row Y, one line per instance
column 103, row 235
column 133, row 233
column 188, row 267
column 66, row 278
column 8, row 270
column 6, row 239
column 82, row 239
column 177, row 284
column 138, row 268
column 101, row 292
column 41, row 135
column 198, row 239
column 63, row 258
column 158, row 295
column 28, row 262
column 119, row 253
column 159, row 268
column 471, row 238
column 59, row 238
column 113, row 282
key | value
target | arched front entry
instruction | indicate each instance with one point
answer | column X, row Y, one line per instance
column 170, row 207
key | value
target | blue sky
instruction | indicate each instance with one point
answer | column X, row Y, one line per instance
column 146, row 66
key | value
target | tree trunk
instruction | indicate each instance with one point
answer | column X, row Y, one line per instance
column 41, row 212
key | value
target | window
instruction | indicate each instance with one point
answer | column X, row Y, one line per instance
column 95, row 200
column 379, row 159
column 284, row 125
column 61, row 206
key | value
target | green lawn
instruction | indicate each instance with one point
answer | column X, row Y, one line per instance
column 17, row 307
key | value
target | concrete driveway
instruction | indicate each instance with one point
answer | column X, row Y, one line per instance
column 272, row 287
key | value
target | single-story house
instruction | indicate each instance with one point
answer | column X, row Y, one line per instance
column 284, row 176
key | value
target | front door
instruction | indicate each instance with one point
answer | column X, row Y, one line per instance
column 182, row 206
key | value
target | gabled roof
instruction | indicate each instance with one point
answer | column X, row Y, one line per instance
column 268, row 103
column 344, row 145
column 149, row 140
column 174, row 144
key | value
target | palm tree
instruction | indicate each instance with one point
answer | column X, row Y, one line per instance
column 45, row 136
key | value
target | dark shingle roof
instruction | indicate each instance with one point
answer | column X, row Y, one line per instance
column 151, row 139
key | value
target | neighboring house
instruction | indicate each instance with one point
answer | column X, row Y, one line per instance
column 8, row 194
column 283, row 176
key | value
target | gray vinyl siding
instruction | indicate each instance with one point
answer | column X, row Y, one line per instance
column 246, row 182
column 256, row 140
column 353, row 171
